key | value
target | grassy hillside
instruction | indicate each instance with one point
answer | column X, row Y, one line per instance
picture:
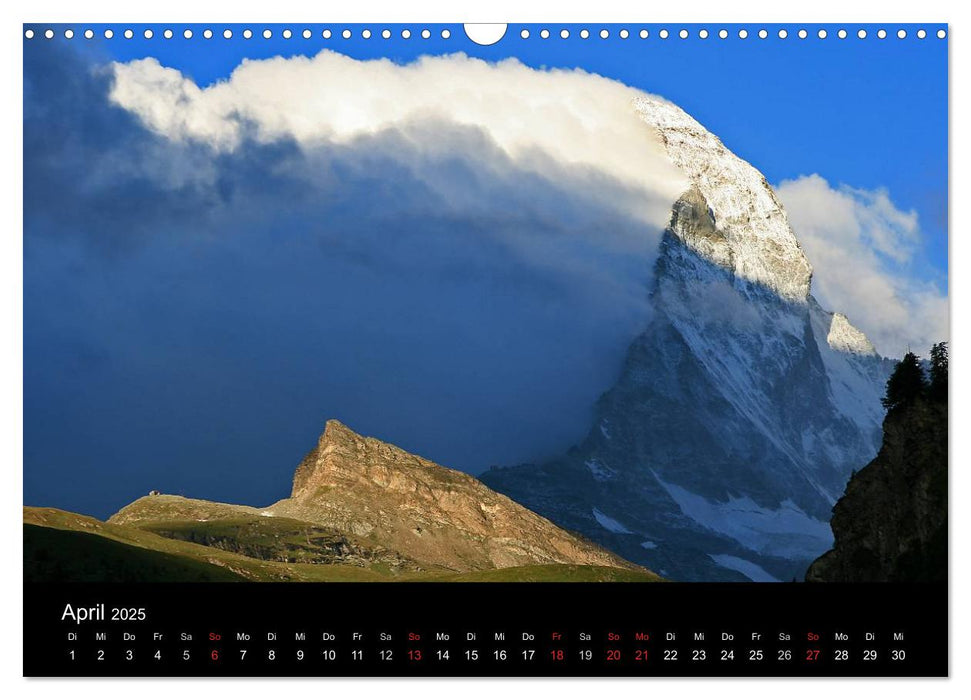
column 63, row 546
column 62, row 555
column 280, row 539
column 242, row 567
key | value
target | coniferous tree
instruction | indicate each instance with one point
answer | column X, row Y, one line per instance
column 906, row 383
column 938, row 388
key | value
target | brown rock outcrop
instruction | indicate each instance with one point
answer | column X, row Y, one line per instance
column 431, row 514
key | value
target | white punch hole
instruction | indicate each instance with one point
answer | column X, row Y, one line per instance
column 485, row 34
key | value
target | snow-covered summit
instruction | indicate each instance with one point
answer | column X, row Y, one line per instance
column 757, row 243
column 845, row 337
column 741, row 409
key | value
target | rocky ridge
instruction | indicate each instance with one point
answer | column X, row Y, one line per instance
column 357, row 499
column 427, row 512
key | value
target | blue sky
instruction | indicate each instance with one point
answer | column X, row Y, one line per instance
column 193, row 313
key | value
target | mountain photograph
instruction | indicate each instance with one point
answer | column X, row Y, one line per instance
column 535, row 319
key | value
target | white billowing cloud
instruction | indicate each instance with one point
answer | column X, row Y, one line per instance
column 570, row 127
column 862, row 249
column 571, row 118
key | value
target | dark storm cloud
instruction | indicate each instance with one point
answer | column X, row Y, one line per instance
column 192, row 318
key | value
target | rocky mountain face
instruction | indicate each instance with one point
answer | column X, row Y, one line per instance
column 891, row 524
column 739, row 411
column 428, row 513
column 357, row 500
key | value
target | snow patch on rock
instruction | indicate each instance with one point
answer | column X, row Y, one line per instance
column 743, row 566
column 600, row 471
column 785, row 531
column 604, row 430
column 609, row 523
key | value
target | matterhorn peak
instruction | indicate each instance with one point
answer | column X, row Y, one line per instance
column 756, row 242
column 720, row 449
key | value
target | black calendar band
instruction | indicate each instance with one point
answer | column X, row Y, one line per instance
column 470, row 629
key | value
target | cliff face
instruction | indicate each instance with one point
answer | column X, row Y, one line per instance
column 430, row 514
column 891, row 525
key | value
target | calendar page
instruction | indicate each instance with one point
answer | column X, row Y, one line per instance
column 485, row 350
